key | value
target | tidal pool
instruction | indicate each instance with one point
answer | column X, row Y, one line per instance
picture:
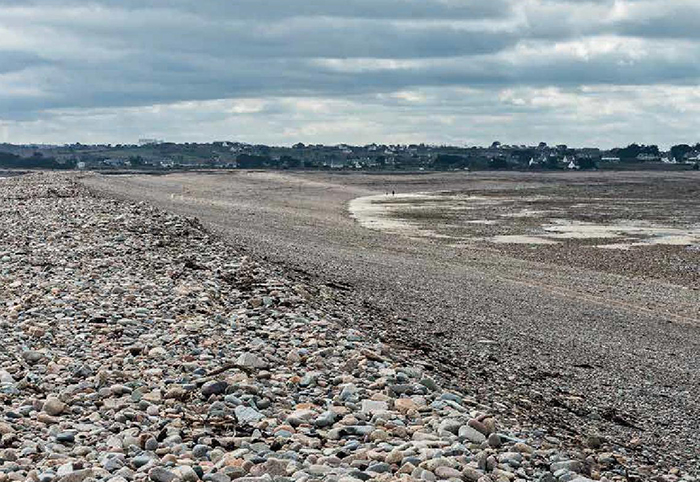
column 533, row 220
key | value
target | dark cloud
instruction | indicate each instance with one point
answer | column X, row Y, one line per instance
column 279, row 9
column 679, row 22
column 13, row 61
column 308, row 38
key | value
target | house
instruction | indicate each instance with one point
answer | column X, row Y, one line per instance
column 115, row 162
column 692, row 158
column 571, row 164
column 337, row 164
column 150, row 142
column 644, row 157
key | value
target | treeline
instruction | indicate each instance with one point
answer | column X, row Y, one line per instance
column 37, row 161
column 681, row 150
column 516, row 159
column 633, row 151
column 252, row 161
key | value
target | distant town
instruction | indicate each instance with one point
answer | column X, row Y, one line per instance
column 153, row 154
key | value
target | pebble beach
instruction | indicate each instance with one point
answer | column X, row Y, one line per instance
column 139, row 346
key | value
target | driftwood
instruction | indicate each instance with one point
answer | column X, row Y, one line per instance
column 222, row 369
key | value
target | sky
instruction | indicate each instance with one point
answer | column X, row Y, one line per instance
column 462, row 72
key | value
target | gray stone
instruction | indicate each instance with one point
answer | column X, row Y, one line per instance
column 200, row 451
column 348, row 392
column 374, row 406
column 113, row 462
column 326, row 419
column 359, row 430
column 450, row 425
column 187, row 473
column 159, row 474
column 53, row 406
column 46, row 476
column 435, row 462
column 76, row 476
column 141, row 460
column 217, row 477
column 65, row 437
column 379, row 468
column 214, row 388
column 32, row 356
column 447, row 473
column 275, row 467
column 247, row 415
column 447, row 396
column 571, row 465
column 429, row 383
column 151, row 444
column 471, row 474
column 5, row 377
column 471, row 434
column 494, row 440
column 250, row 360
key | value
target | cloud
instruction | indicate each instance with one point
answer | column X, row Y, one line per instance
column 598, row 115
column 233, row 59
column 280, row 9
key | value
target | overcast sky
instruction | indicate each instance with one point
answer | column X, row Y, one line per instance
column 605, row 72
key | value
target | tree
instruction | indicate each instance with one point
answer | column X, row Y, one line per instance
column 136, row 160
column 250, row 161
column 9, row 160
column 552, row 162
column 450, row 161
column 652, row 149
column 632, row 152
column 36, row 161
column 679, row 151
column 290, row 162
column 586, row 163
column 629, row 153
column 524, row 155
column 498, row 163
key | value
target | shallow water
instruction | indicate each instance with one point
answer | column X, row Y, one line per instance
column 392, row 213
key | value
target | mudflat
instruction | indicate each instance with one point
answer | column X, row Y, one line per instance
column 576, row 334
